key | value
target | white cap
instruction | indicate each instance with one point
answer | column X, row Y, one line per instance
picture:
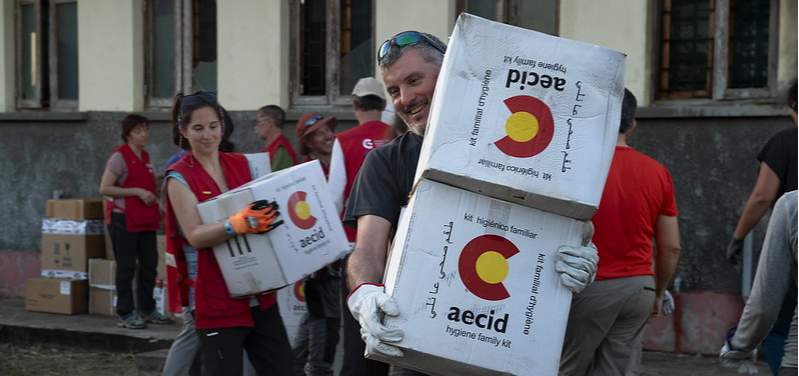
column 369, row 86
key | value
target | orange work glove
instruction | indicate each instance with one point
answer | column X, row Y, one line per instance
column 257, row 218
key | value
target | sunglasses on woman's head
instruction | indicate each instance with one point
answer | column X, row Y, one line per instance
column 407, row 38
column 194, row 99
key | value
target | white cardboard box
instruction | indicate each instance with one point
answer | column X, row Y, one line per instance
column 310, row 237
column 475, row 282
column 260, row 164
column 524, row 117
column 291, row 300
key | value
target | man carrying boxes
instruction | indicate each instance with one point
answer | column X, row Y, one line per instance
column 411, row 62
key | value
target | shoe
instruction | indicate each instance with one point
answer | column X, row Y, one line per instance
column 156, row 317
column 130, row 321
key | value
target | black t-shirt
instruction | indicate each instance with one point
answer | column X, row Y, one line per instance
column 385, row 180
column 780, row 154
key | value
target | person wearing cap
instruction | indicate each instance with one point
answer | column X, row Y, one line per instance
column 315, row 345
column 410, row 63
column 269, row 127
column 368, row 102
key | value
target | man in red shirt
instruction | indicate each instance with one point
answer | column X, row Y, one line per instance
column 368, row 102
column 269, row 127
column 607, row 319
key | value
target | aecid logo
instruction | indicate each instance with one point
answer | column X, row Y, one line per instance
column 300, row 211
column 299, row 291
column 529, row 127
column 483, row 265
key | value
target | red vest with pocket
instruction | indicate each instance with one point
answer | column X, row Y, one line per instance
column 138, row 215
column 214, row 307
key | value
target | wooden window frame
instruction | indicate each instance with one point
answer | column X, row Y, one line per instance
column 55, row 102
column 38, row 101
column 149, row 59
column 719, row 90
column 333, row 94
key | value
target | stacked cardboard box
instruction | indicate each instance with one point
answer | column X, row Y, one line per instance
column 516, row 153
column 71, row 235
column 310, row 237
column 56, row 295
column 102, row 287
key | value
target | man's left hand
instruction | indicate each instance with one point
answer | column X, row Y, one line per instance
column 734, row 358
column 577, row 265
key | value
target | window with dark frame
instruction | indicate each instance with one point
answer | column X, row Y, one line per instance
column 332, row 46
column 47, row 54
column 180, row 49
column 717, row 49
column 538, row 15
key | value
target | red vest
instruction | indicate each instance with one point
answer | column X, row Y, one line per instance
column 284, row 142
column 214, row 307
column 355, row 144
column 138, row 215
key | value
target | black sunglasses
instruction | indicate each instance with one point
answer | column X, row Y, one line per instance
column 195, row 99
column 407, row 38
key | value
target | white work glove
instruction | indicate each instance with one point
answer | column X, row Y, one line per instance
column 734, row 358
column 367, row 302
column 577, row 265
column 668, row 304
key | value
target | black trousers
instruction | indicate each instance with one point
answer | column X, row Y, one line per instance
column 130, row 247
column 267, row 345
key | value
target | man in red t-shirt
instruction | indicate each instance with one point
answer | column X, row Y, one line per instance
column 368, row 102
column 607, row 319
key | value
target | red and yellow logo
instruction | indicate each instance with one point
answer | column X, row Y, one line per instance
column 299, row 291
column 529, row 127
column 300, row 211
column 483, row 265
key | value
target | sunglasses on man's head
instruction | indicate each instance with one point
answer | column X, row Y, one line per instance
column 407, row 38
column 312, row 121
column 194, row 99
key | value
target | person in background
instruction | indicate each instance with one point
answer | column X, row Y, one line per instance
column 224, row 326
column 269, row 127
column 605, row 331
column 775, row 276
column 410, row 63
column 776, row 175
column 318, row 333
column 132, row 218
column 368, row 103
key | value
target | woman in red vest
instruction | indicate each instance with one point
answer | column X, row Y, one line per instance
column 132, row 218
column 225, row 326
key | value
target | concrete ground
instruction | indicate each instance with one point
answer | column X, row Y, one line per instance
column 149, row 346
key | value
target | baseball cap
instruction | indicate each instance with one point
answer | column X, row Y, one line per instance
column 311, row 122
column 369, row 86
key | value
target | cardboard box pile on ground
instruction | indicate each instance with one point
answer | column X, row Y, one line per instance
column 310, row 237
column 67, row 246
column 475, row 281
column 291, row 300
column 56, row 295
column 525, row 117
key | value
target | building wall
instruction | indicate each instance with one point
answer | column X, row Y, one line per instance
column 580, row 20
column 110, row 55
column 253, row 43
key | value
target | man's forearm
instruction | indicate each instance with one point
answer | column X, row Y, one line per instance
column 363, row 266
